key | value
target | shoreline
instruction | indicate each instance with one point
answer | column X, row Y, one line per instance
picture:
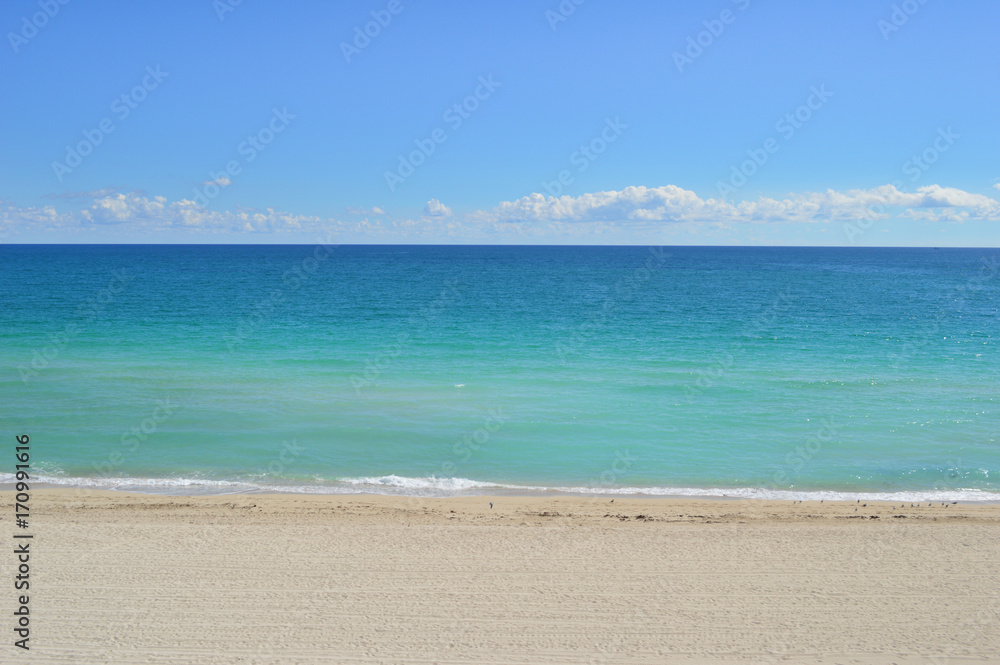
column 200, row 487
column 652, row 508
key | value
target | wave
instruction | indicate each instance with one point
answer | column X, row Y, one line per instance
column 429, row 483
column 445, row 487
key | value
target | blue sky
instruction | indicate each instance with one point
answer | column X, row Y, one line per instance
column 860, row 122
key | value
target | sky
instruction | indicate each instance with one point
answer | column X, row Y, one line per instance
column 716, row 122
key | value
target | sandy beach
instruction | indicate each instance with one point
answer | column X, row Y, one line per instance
column 126, row 578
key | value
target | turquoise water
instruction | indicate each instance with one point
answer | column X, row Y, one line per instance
column 450, row 370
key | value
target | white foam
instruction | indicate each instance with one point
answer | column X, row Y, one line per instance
column 430, row 483
column 961, row 494
column 154, row 485
column 443, row 487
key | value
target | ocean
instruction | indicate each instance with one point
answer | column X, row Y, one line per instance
column 449, row 370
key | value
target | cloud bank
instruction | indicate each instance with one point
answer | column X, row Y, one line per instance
column 674, row 204
column 535, row 214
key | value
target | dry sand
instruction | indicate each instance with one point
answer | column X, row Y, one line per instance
column 125, row 578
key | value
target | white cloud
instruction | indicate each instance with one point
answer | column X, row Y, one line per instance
column 156, row 213
column 674, row 204
column 595, row 215
column 45, row 217
column 435, row 208
column 221, row 181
